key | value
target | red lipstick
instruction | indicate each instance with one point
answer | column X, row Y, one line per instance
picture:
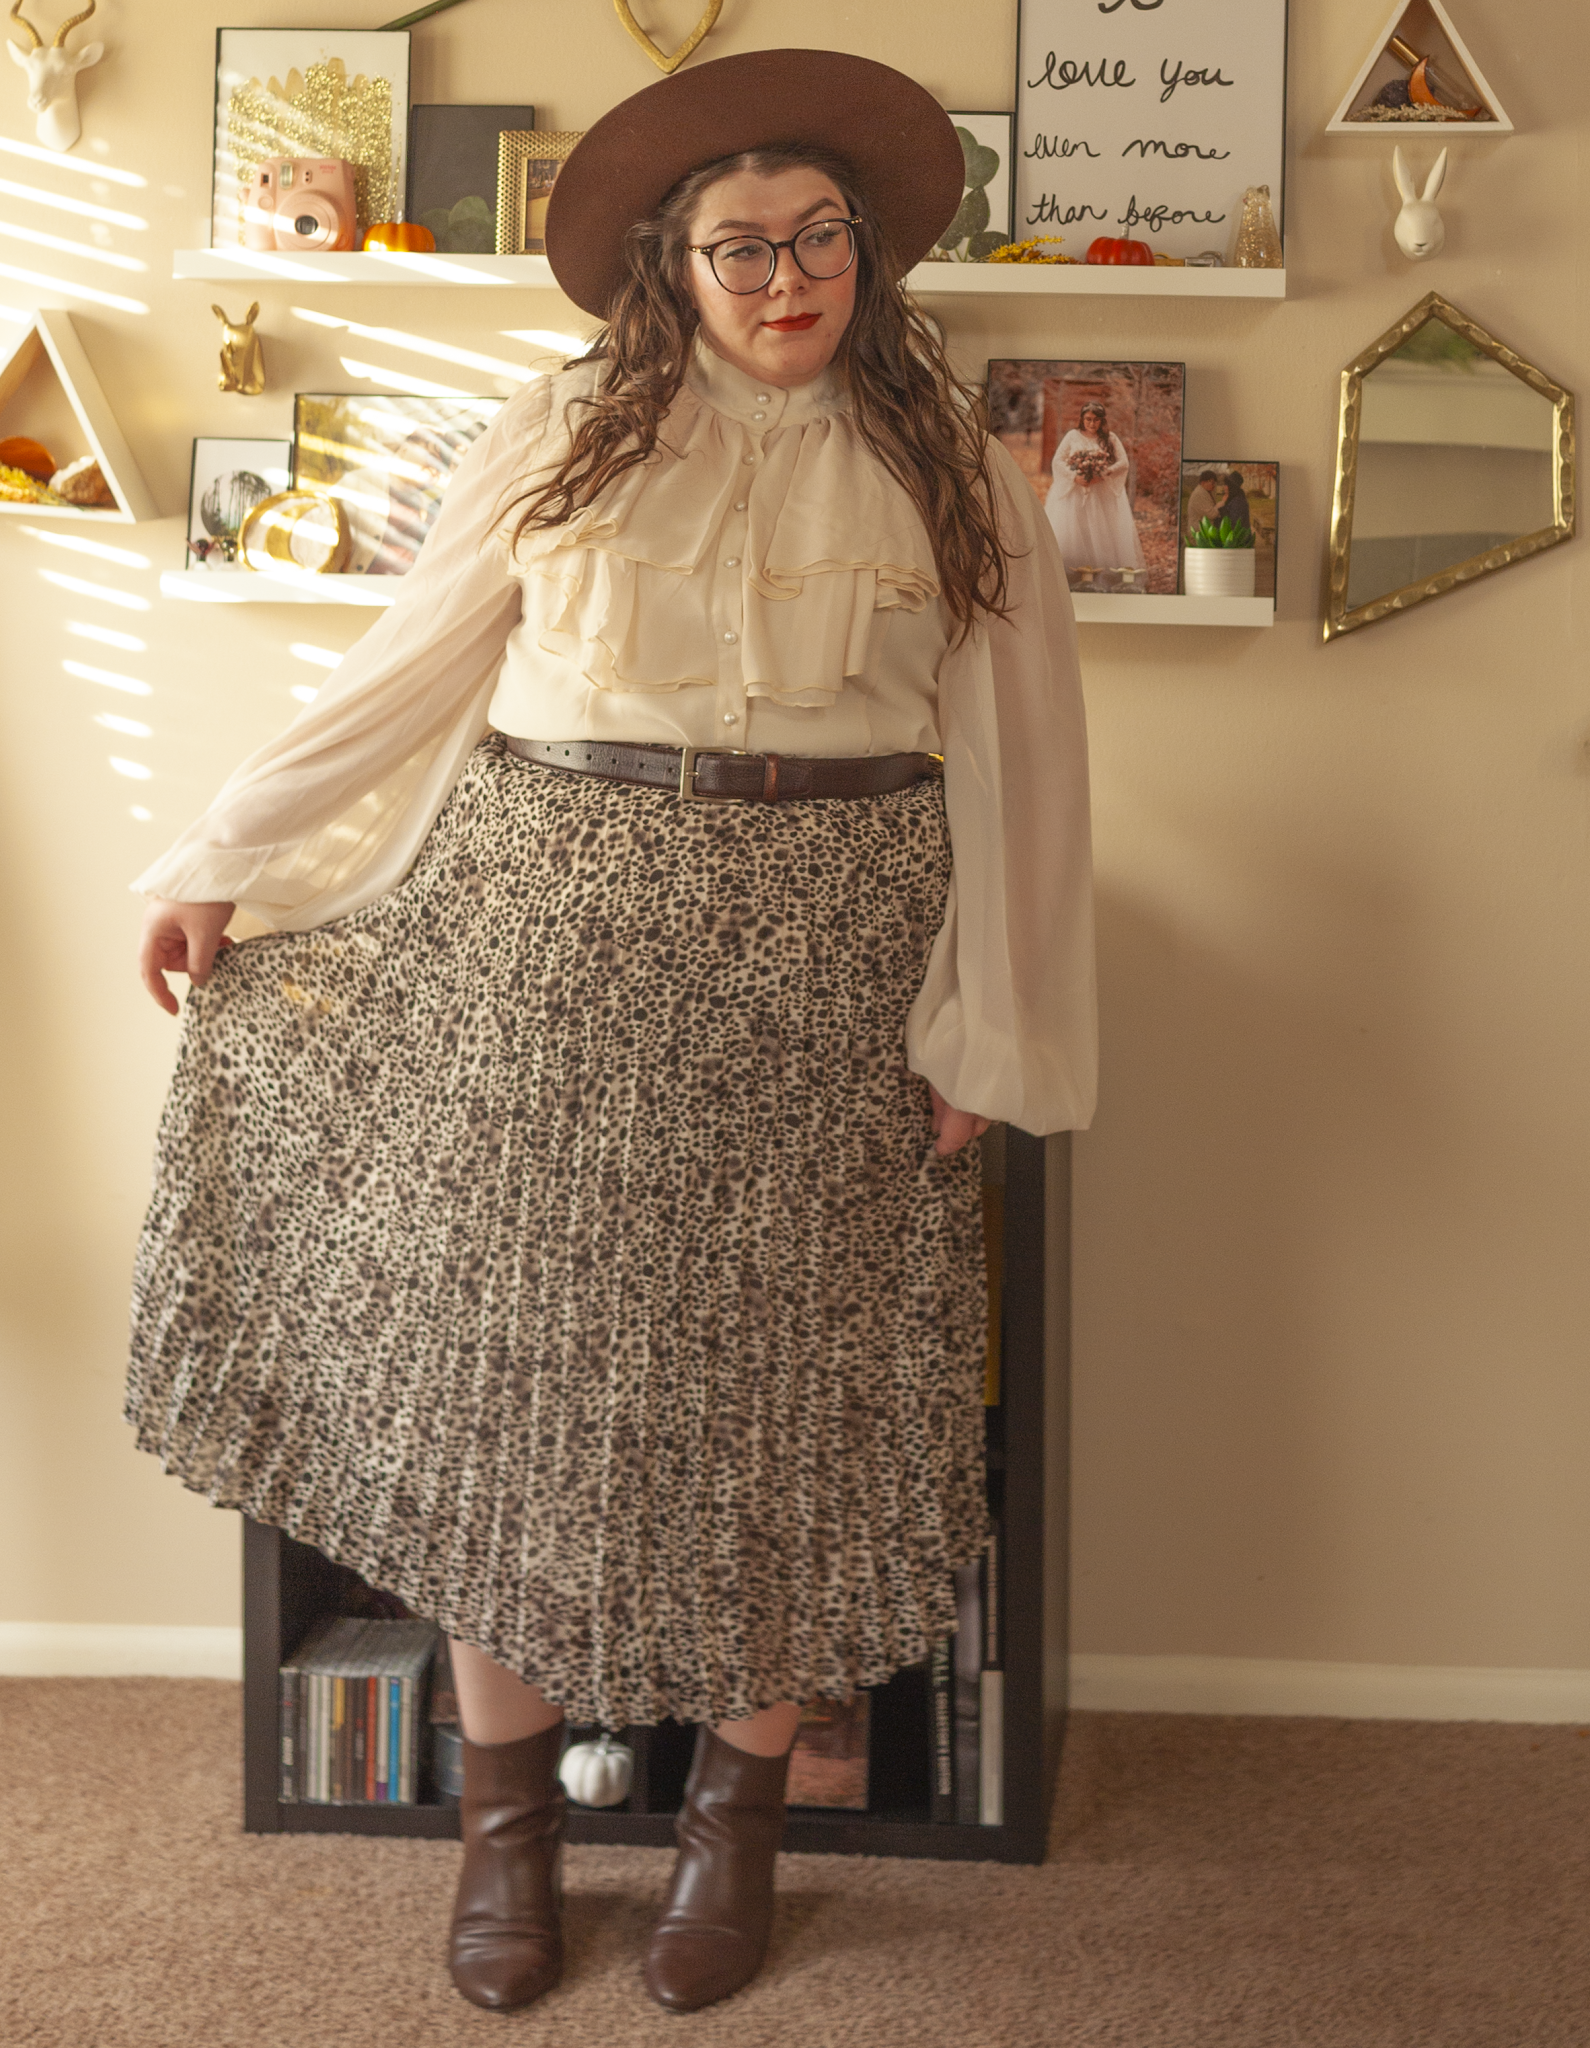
column 796, row 323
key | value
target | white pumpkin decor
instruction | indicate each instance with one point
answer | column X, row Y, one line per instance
column 597, row 1773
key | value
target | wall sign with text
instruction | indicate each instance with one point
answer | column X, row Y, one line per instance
column 1148, row 118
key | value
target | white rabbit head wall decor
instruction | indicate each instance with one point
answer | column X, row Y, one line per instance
column 52, row 77
column 1420, row 230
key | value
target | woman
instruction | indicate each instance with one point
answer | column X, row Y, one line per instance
column 1087, row 503
column 567, row 1217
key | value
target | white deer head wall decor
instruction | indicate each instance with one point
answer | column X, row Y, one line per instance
column 52, row 77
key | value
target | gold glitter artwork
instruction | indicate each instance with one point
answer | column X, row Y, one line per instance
column 320, row 112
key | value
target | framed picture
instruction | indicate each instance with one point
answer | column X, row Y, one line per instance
column 528, row 162
column 388, row 459
column 1246, row 493
column 453, row 173
column 1138, row 120
column 229, row 479
column 984, row 219
column 334, row 93
column 1100, row 443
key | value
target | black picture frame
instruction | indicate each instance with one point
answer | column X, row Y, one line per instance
column 1262, row 488
column 996, row 130
column 218, row 462
column 1024, row 10
column 453, row 162
column 1035, row 404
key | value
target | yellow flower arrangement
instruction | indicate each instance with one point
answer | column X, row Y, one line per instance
column 1029, row 252
column 18, row 488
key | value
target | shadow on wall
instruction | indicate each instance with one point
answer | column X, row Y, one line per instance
column 1261, row 1136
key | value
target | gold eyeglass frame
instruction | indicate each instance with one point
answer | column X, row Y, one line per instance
column 1339, row 617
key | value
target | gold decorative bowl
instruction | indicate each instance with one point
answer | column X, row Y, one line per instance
column 296, row 533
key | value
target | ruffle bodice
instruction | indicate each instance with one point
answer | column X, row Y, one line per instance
column 629, row 591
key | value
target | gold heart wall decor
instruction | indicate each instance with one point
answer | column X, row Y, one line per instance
column 692, row 41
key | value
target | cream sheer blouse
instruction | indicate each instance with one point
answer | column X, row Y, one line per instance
column 759, row 583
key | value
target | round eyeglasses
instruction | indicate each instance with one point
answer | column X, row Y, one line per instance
column 746, row 263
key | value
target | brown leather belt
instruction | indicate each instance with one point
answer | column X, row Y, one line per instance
column 711, row 775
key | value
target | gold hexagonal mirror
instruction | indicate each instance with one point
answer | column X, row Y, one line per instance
column 1455, row 458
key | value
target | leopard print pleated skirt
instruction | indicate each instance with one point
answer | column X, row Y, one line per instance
column 559, row 1242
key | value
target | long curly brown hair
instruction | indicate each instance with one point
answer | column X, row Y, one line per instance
column 927, row 428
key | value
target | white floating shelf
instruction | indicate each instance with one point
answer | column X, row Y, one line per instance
column 248, row 586
column 365, row 266
column 1127, row 280
column 1094, row 609
column 372, row 267
column 245, row 586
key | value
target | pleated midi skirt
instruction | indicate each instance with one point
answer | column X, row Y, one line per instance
column 559, row 1242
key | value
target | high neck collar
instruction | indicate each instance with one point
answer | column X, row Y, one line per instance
column 761, row 407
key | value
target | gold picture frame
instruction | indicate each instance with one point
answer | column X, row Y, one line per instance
column 1342, row 617
column 528, row 162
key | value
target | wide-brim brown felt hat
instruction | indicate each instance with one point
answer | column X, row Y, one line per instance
column 896, row 137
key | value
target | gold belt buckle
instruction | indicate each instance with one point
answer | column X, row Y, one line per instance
column 688, row 793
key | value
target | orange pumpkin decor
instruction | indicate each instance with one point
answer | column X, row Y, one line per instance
column 398, row 236
column 31, row 457
column 1118, row 249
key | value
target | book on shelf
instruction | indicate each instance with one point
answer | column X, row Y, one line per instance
column 828, row 1765
column 991, row 1685
column 941, row 1729
column 352, row 1707
column 967, row 1658
column 967, row 1693
column 447, row 1734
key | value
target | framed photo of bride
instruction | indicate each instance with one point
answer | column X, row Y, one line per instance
column 1101, row 445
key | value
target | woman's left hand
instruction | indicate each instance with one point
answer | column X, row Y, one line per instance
column 952, row 1127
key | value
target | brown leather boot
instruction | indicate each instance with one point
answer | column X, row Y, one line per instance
column 718, row 1915
column 506, row 1947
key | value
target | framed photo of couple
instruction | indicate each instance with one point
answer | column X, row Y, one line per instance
column 1101, row 445
column 1223, row 487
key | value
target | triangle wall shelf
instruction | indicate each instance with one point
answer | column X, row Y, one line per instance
column 1426, row 27
column 49, row 350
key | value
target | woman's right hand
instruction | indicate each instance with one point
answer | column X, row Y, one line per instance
column 180, row 938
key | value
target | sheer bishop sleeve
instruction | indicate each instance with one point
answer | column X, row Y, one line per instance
column 331, row 813
column 1005, row 1024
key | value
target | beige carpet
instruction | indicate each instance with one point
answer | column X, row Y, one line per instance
column 1211, row 1884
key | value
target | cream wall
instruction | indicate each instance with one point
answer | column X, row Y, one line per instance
column 1331, row 1296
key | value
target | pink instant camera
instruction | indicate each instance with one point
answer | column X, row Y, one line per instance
column 299, row 202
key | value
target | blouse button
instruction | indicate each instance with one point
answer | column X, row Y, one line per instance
column 759, row 415
column 731, row 717
column 762, row 397
column 741, row 506
column 731, row 562
column 731, row 638
column 748, row 458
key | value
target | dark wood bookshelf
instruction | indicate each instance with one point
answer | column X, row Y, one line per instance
column 288, row 1588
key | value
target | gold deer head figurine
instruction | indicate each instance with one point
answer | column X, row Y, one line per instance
column 242, row 357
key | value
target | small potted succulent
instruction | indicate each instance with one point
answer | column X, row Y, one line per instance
column 1219, row 560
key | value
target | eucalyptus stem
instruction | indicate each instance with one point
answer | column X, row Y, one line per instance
column 420, row 13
